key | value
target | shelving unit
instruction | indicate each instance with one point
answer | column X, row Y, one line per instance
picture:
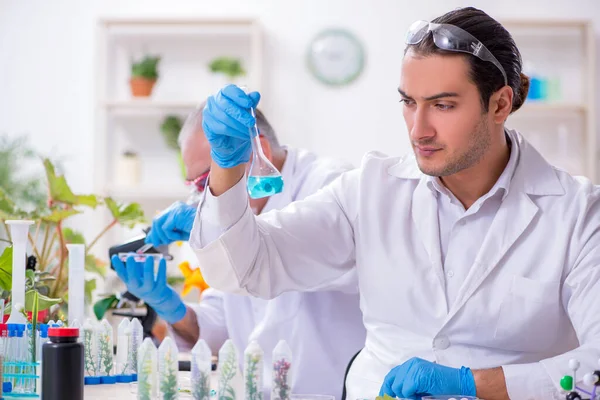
column 126, row 123
column 562, row 128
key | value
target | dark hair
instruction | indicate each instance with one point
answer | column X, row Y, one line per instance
column 193, row 125
column 498, row 41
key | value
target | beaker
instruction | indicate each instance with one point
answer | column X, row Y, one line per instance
column 264, row 179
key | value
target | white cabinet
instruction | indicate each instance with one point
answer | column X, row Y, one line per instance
column 559, row 119
column 125, row 123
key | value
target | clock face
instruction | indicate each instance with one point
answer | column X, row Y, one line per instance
column 336, row 57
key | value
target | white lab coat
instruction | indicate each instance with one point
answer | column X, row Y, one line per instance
column 529, row 303
column 323, row 329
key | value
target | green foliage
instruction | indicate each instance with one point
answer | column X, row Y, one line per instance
column 6, row 269
column 145, row 378
column 201, row 385
column 26, row 190
column 146, row 68
column 91, row 367
column 48, row 237
column 252, row 391
column 168, row 381
column 128, row 215
column 170, row 128
column 229, row 66
column 228, row 372
column 103, row 305
column 385, row 397
column 106, row 353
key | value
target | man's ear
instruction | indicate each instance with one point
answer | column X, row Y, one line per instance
column 501, row 104
column 266, row 147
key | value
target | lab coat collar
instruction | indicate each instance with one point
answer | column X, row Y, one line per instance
column 532, row 173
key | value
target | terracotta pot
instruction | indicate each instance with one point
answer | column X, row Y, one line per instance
column 141, row 87
column 42, row 315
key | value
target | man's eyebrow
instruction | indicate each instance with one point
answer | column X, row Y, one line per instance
column 429, row 98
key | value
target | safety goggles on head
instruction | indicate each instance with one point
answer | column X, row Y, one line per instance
column 199, row 183
column 452, row 38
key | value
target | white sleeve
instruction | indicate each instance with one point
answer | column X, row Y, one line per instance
column 309, row 245
column 211, row 321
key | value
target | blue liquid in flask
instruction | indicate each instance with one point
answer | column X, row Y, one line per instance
column 264, row 186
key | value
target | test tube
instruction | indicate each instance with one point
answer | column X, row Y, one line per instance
column 168, row 368
column 90, row 350
column 282, row 364
column 105, row 349
column 43, row 338
column 253, row 371
column 230, row 379
column 146, row 368
column 76, row 281
column 3, row 343
column 200, row 370
column 18, row 231
column 124, row 333
column 137, row 335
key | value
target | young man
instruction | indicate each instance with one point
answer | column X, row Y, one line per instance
column 478, row 262
column 323, row 329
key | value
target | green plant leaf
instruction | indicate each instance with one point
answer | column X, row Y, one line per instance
column 73, row 237
column 60, row 190
column 103, row 305
column 146, row 68
column 57, row 215
column 95, row 265
column 90, row 286
column 6, row 269
column 8, row 209
column 175, row 280
column 127, row 215
column 44, row 302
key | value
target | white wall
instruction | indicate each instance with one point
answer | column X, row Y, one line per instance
column 47, row 67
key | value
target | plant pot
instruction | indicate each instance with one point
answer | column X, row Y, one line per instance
column 141, row 87
column 128, row 171
column 42, row 315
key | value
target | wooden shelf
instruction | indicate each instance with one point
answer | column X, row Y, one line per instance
column 148, row 106
column 532, row 106
column 148, row 192
column 131, row 28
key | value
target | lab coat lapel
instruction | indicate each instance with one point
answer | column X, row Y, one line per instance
column 425, row 217
column 514, row 216
column 533, row 176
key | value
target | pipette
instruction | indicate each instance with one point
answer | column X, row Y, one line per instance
column 264, row 179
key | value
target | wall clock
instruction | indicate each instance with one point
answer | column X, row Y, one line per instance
column 336, row 57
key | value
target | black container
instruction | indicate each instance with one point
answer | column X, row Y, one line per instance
column 62, row 365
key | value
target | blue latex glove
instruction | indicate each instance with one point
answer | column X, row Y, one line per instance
column 139, row 278
column 172, row 225
column 417, row 377
column 226, row 121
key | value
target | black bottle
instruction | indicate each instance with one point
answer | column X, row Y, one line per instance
column 62, row 365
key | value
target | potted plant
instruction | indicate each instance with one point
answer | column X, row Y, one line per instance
column 47, row 284
column 227, row 70
column 144, row 74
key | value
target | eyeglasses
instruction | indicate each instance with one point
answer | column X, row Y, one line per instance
column 199, row 183
column 452, row 38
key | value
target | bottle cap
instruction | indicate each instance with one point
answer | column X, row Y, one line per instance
column 63, row 332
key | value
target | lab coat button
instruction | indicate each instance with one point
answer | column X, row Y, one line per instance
column 450, row 274
column 441, row 343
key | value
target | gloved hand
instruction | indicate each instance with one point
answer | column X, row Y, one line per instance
column 417, row 377
column 139, row 278
column 226, row 121
column 172, row 225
